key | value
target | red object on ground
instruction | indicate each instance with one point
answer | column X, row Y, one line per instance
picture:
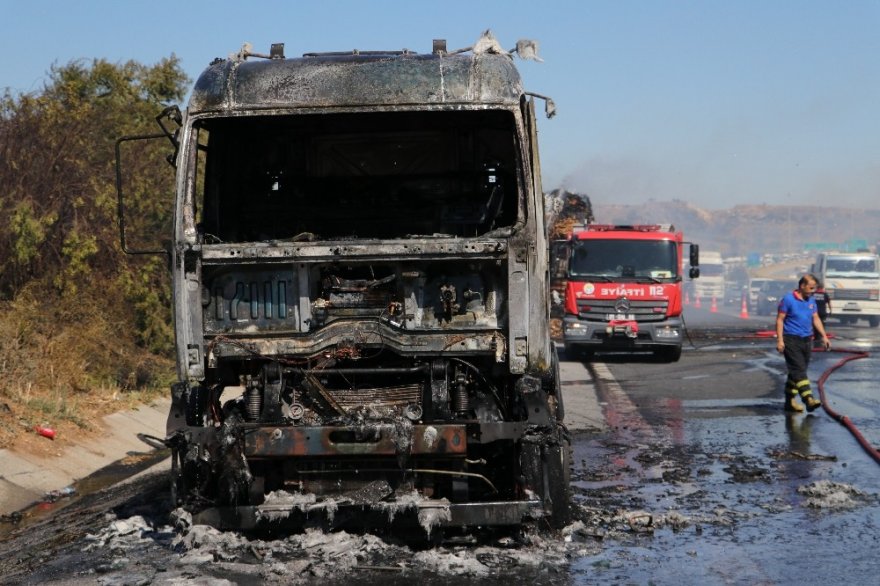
column 744, row 312
column 714, row 308
column 697, row 302
column 45, row 431
column 687, row 298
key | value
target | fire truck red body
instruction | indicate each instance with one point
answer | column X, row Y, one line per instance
column 624, row 289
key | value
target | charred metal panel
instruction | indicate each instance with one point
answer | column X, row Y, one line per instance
column 535, row 401
column 357, row 80
column 369, row 334
column 494, row 431
column 498, row 513
column 188, row 303
column 374, row 440
column 519, row 297
column 421, row 248
column 242, row 301
column 310, row 296
column 539, row 343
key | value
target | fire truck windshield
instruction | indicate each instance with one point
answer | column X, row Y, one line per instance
column 655, row 260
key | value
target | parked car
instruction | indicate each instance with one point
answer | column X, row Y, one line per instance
column 769, row 295
column 734, row 292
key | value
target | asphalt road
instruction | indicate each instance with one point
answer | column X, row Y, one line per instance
column 684, row 473
column 731, row 489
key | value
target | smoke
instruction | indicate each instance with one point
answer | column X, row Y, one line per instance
column 722, row 182
column 626, row 180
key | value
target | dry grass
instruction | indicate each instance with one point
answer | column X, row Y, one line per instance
column 68, row 367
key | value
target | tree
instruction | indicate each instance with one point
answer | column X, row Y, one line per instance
column 57, row 190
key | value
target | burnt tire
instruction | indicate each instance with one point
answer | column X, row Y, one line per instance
column 552, row 385
column 545, row 465
column 557, row 468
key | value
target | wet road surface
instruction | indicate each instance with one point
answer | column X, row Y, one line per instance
column 697, row 476
column 748, row 494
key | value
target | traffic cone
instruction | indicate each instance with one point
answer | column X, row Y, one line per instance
column 697, row 302
column 687, row 298
column 714, row 308
column 744, row 312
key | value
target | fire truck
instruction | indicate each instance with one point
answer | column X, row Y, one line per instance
column 624, row 290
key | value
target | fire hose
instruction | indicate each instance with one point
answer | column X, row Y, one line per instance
column 843, row 419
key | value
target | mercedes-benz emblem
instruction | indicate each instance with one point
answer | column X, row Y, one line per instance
column 621, row 305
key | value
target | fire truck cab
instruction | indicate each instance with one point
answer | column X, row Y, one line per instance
column 624, row 290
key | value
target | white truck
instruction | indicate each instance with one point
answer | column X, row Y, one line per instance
column 852, row 280
column 711, row 282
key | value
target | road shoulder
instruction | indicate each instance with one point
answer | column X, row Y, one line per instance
column 25, row 477
column 583, row 413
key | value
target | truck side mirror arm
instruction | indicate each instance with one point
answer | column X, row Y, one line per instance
column 120, row 201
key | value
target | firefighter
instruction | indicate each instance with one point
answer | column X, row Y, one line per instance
column 823, row 305
column 795, row 319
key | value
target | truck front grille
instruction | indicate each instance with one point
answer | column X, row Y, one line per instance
column 604, row 309
column 385, row 397
column 853, row 294
column 393, row 401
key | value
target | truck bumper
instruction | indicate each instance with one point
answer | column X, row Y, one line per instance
column 426, row 513
column 596, row 335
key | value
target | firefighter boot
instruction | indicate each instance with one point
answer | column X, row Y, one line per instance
column 811, row 402
column 791, row 393
column 803, row 387
column 791, row 406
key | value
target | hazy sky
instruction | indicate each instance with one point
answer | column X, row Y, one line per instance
column 717, row 103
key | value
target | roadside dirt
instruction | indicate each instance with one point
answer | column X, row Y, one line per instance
column 18, row 425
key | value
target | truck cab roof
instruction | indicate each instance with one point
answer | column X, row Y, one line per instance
column 378, row 79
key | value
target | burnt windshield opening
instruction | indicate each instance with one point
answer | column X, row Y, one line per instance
column 347, row 176
column 609, row 260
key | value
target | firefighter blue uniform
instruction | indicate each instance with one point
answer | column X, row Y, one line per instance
column 795, row 320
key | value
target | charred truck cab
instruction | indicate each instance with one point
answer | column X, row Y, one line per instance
column 360, row 294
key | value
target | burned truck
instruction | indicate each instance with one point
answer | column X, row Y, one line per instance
column 360, row 284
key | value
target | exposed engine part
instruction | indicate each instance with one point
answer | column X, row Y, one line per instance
column 254, row 401
column 319, row 398
column 295, row 411
column 460, row 400
column 413, row 412
column 447, row 298
column 272, row 378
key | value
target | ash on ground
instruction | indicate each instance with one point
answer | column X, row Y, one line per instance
column 826, row 494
